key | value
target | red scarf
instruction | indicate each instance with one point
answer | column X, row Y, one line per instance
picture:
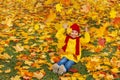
column 77, row 44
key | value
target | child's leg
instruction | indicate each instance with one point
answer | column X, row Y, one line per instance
column 69, row 64
column 56, row 66
column 62, row 61
column 64, row 68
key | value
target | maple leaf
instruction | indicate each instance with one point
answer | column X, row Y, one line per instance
column 38, row 75
column 73, row 70
column 8, row 21
column 116, row 20
column 101, row 41
column 59, row 7
column 18, row 48
column 85, row 8
column 115, row 70
column 5, row 56
column 113, row 13
column 36, row 27
column 48, row 2
column 15, row 78
column 28, row 62
column 8, row 71
column 65, row 2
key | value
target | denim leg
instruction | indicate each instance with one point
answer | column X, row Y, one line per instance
column 69, row 64
column 62, row 61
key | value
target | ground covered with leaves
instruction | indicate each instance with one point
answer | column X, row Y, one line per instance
column 28, row 43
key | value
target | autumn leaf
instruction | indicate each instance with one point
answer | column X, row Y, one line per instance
column 66, row 2
column 18, row 48
column 8, row 71
column 48, row 2
column 101, row 41
column 65, row 78
column 16, row 78
column 5, row 56
column 28, row 62
column 39, row 75
column 36, row 27
column 51, row 16
column 58, row 7
column 116, row 20
column 73, row 70
column 113, row 13
column 115, row 70
column 85, row 8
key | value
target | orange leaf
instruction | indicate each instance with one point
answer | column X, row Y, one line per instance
column 98, row 49
column 56, row 59
column 116, row 20
column 66, row 2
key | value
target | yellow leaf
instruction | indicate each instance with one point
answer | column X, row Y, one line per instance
column 1, row 71
column 69, row 30
column 8, row 21
column 69, row 11
column 48, row 2
column 115, row 70
column 28, row 62
column 114, row 33
column 16, row 78
column 113, row 13
column 39, row 75
column 18, row 48
column 73, row 78
column 58, row 26
column 8, row 71
column 5, row 56
column 65, row 78
column 25, row 67
column 1, row 66
column 50, row 17
column 36, row 27
column 59, row 7
column 108, row 39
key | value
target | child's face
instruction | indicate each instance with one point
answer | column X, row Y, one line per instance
column 74, row 34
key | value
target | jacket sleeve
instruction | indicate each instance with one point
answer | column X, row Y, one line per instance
column 85, row 39
column 61, row 37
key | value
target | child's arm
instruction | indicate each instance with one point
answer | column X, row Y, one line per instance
column 86, row 38
column 60, row 35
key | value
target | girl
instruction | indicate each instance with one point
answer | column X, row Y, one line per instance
column 70, row 51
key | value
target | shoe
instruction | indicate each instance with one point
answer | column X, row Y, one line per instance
column 61, row 70
column 55, row 68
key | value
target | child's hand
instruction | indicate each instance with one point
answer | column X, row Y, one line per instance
column 65, row 26
column 86, row 29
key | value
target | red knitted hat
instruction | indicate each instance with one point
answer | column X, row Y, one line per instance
column 75, row 27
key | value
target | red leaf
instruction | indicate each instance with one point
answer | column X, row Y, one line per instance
column 73, row 70
column 119, row 47
column 101, row 41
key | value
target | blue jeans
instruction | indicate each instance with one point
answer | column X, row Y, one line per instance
column 67, row 63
